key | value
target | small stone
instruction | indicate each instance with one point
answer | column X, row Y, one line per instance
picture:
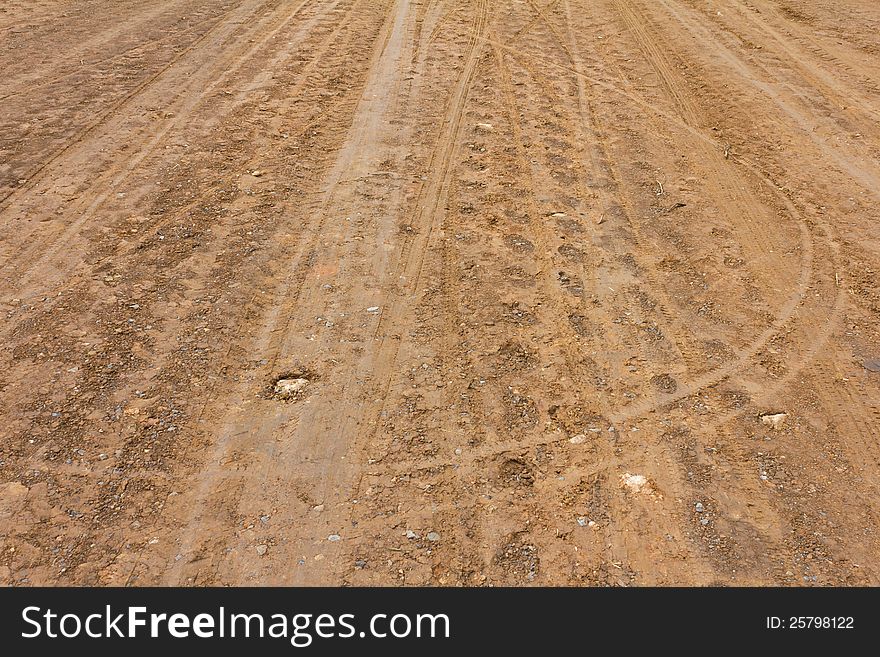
column 704, row 521
column 634, row 482
column 319, row 557
column 458, row 451
column 360, row 564
column 290, row 388
column 433, row 537
column 333, row 538
column 102, row 457
column 485, row 127
column 410, row 534
column 578, row 439
column 373, row 309
column 699, row 508
column 262, row 549
column 582, row 521
column 775, row 420
column 318, row 508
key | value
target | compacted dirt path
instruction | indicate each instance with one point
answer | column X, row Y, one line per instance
column 573, row 292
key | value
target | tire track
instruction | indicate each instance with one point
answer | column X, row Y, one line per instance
column 837, row 90
column 745, row 357
column 729, row 198
column 409, row 268
column 237, row 101
column 783, row 314
column 604, row 184
column 39, row 173
column 813, row 360
column 36, row 254
column 602, row 161
column 618, row 541
column 428, row 218
column 858, row 164
column 298, row 292
column 37, row 82
column 723, row 181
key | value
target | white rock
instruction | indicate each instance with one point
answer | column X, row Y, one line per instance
column 775, row 420
column 290, row 388
column 634, row 482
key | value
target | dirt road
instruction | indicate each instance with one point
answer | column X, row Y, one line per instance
column 580, row 292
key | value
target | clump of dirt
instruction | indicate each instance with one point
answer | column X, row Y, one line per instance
column 516, row 357
column 571, row 253
column 519, row 243
column 581, row 325
column 520, row 411
column 664, row 383
column 518, row 276
column 518, row 558
column 571, row 283
column 515, row 472
column 578, row 419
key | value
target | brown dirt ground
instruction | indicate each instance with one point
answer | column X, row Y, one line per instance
column 601, row 241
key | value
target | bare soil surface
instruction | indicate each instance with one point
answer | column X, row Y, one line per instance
column 562, row 292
